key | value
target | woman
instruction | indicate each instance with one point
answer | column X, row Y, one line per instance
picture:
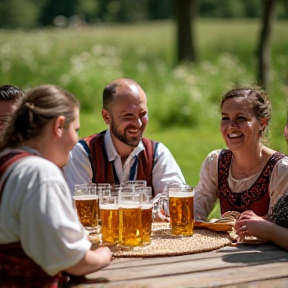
column 40, row 235
column 248, row 175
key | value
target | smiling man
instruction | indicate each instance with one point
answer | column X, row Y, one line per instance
column 120, row 153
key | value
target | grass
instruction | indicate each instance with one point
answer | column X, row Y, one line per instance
column 183, row 100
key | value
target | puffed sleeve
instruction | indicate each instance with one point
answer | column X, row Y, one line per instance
column 165, row 169
column 50, row 232
column 206, row 190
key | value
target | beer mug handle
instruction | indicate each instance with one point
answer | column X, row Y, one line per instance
column 160, row 212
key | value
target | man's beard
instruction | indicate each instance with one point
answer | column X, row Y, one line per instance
column 133, row 142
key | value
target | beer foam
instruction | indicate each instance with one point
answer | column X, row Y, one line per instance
column 146, row 206
column 108, row 207
column 181, row 194
column 85, row 197
column 129, row 205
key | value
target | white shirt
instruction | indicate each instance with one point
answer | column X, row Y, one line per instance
column 36, row 209
column 206, row 191
column 79, row 171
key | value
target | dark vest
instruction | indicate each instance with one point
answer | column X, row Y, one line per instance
column 16, row 268
column 256, row 198
column 104, row 171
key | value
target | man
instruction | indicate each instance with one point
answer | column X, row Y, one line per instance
column 9, row 95
column 120, row 153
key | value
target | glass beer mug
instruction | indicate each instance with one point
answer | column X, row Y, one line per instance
column 130, row 226
column 109, row 213
column 181, row 208
column 86, row 202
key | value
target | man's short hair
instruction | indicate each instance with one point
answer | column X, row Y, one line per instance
column 9, row 92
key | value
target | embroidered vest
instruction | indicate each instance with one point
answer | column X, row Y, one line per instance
column 256, row 198
column 16, row 268
column 104, row 171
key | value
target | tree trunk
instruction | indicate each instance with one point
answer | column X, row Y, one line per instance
column 263, row 52
column 185, row 13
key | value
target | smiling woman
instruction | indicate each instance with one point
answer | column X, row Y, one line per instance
column 248, row 175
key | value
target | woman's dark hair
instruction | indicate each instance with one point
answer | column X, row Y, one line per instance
column 36, row 109
column 256, row 96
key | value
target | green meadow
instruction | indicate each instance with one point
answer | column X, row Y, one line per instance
column 183, row 100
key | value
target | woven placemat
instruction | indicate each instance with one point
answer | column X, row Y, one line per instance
column 163, row 244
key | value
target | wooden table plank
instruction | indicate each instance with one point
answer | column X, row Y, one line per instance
column 229, row 266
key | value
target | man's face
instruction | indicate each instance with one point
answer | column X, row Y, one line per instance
column 128, row 115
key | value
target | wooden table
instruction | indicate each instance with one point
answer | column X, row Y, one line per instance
column 243, row 266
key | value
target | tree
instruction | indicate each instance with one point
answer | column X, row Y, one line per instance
column 263, row 51
column 55, row 8
column 18, row 13
column 185, row 14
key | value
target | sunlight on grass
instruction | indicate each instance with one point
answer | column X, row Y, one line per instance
column 183, row 100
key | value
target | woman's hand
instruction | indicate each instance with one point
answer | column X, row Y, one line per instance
column 249, row 224
column 91, row 262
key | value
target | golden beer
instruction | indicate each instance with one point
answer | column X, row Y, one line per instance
column 146, row 219
column 87, row 209
column 109, row 214
column 130, row 226
column 181, row 213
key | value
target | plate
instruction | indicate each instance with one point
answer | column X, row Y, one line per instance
column 220, row 227
column 254, row 240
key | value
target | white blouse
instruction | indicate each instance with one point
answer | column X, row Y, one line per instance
column 78, row 170
column 36, row 209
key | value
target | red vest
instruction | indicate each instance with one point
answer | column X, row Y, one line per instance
column 256, row 198
column 103, row 170
column 16, row 268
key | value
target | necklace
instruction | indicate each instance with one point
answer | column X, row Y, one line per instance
column 247, row 172
column 250, row 170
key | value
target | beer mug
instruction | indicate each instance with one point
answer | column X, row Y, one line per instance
column 109, row 213
column 145, row 194
column 87, row 205
column 146, row 219
column 181, row 209
column 130, row 225
column 134, row 183
column 104, row 189
column 115, row 189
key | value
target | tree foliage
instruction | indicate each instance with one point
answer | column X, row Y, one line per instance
column 19, row 13
column 55, row 8
column 32, row 13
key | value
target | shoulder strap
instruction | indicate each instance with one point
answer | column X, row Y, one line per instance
column 7, row 160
